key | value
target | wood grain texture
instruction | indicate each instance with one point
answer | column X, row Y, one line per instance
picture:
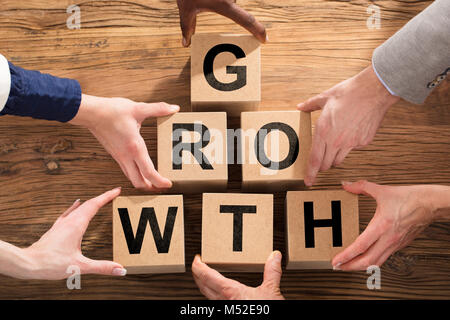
column 133, row 49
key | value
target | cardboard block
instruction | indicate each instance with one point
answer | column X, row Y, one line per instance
column 148, row 233
column 275, row 147
column 225, row 73
column 319, row 225
column 237, row 231
column 192, row 151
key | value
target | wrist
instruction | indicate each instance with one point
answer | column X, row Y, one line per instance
column 90, row 111
column 438, row 199
column 30, row 266
column 385, row 98
column 16, row 262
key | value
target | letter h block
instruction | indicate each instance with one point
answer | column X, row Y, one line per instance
column 274, row 149
column 148, row 233
column 237, row 231
column 225, row 73
column 192, row 151
column 319, row 225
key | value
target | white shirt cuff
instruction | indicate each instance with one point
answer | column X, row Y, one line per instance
column 382, row 81
column 5, row 81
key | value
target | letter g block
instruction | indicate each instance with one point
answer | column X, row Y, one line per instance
column 225, row 73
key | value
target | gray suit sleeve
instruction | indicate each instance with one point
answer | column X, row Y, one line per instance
column 417, row 58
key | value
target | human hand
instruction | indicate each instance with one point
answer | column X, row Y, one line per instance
column 60, row 247
column 116, row 123
column 352, row 111
column 189, row 9
column 216, row 287
column 402, row 213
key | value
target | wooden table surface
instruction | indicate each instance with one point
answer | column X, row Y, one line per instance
column 133, row 49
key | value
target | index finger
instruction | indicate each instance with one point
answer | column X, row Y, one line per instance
column 147, row 169
column 315, row 159
column 365, row 240
column 243, row 18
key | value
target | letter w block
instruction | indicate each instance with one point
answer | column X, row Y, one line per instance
column 148, row 233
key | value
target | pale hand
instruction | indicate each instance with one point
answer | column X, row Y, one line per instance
column 352, row 112
column 216, row 287
column 189, row 9
column 60, row 247
column 402, row 213
column 116, row 123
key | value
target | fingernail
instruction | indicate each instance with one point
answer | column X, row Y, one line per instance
column 76, row 201
column 119, row 272
column 336, row 266
column 276, row 255
column 184, row 42
column 174, row 108
column 307, row 182
column 345, row 183
column 267, row 37
column 300, row 105
column 117, row 189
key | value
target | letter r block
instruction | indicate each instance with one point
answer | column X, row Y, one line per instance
column 237, row 231
column 274, row 149
column 192, row 151
column 319, row 225
column 148, row 233
column 225, row 73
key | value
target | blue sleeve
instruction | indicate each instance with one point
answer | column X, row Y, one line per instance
column 42, row 96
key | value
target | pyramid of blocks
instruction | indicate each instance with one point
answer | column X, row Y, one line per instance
column 194, row 151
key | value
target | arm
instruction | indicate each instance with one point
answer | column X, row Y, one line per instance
column 402, row 214
column 115, row 122
column 417, row 58
column 408, row 65
column 14, row 262
column 60, row 247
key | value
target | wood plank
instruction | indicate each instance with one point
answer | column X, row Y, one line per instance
column 133, row 49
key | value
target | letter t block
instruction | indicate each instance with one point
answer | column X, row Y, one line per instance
column 192, row 151
column 319, row 225
column 237, row 231
column 225, row 73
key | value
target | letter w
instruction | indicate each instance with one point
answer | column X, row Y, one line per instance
column 148, row 214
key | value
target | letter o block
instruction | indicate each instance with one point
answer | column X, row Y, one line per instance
column 192, row 151
column 274, row 149
column 225, row 73
column 319, row 225
column 148, row 233
column 237, row 231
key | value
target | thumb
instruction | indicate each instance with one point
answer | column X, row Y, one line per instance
column 272, row 270
column 91, row 207
column 312, row 104
column 160, row 109
column 104, row 267
column 362, row 187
